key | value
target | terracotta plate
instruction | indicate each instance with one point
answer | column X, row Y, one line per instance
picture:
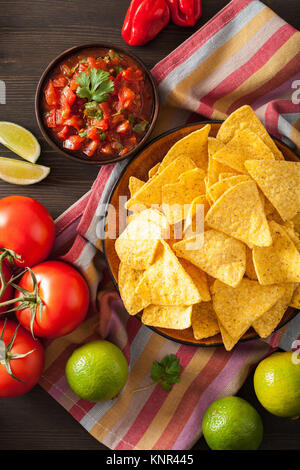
column 139, row 167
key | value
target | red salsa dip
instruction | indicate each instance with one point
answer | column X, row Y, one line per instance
column 98, row 102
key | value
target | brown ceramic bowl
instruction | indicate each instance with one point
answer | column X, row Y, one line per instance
column 77, row 155
column 139, row 167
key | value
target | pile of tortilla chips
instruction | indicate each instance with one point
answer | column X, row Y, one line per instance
column 213, row 238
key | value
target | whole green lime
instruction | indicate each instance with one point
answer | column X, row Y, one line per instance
column 277, row 384
column 97, row 371
column 231, row 423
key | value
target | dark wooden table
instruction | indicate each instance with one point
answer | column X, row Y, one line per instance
column 32, row 32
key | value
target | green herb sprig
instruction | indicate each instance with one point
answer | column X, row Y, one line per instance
column 95, row 85
column 166, row 372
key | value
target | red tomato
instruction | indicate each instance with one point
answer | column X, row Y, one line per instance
column 28, row 368
column 124, row 127
column 63, row 133
column 8, row 293
column 51, row 95
column 65, row 296
column 126, row 97
column 90, row 149
column 51, row 118
column 27, row 228
column 73, row 142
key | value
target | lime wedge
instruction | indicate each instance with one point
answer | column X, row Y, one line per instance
column 18, row 172
column 20, row 141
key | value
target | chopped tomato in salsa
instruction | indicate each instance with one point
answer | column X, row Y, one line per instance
column 99, row 103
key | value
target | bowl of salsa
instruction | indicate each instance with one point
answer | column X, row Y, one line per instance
column 96, row 104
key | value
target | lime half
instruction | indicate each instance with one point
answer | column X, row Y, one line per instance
column 20, row 141
column 23, row 173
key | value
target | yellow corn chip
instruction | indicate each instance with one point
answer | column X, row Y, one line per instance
column 237, row 308
column 137, row 245
column 239, row 213
column 226, row 175
column 194, row 145
column 128, row 280
column 294, row 236
column 250, row 269
column 198, row 277
column 266, row 324
column 296, row 222
column 245, row 118
column 177, row 197
column 245, row 145
column 295, row 302
column 217, row 254
column 177, row 317
column 134, row 185
column 228, row 341
column 204, row 320
column 280, row 183
column 153, row 170
column 214, row 145
column 217, row 189
column 165, row 282
column 279, row 262
column 214, row 167
column 150, row 193
column 194, row 222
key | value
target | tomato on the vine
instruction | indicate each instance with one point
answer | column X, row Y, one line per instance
column 27, row 228
column 56, row 303
column 21, row 360
column 8, row 291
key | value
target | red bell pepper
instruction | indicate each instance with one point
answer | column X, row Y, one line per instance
column 144, row 20
column 185, row 12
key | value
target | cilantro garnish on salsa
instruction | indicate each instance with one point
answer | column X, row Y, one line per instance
column 98, row 102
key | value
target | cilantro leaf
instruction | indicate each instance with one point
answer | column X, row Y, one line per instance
column 94, row 85
column 166, row 372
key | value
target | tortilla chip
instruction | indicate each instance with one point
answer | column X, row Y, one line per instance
column 151, row 193
column 245, row 118
column 198, row 277
column 219, row 255
column 204, row 320
column 177, row 317
column 280, row 183
column 194, row 222
column 214, row 167
column 240, row 214
column 266, row 324
column 153, row 170
column 214, row 145
column 244, row 146
column 237, row 308
column 296, row 222
column 177, row 197
column 165, row 282
column 137, row 245
column 134, row 185
column 295, row 302
column 227, row 174
column 279, row 262
column 294, row 236
column 250, row 269
column 217, row 189
column 194, row 145
column 228, row 341
column 128, row 280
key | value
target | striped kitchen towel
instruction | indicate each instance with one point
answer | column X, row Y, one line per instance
column 245, row 54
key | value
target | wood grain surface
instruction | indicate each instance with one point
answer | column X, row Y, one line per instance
column 33, row 32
